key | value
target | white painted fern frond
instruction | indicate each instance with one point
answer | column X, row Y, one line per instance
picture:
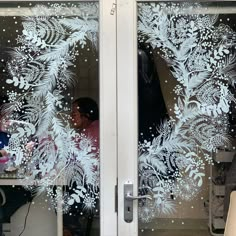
column 47, row 115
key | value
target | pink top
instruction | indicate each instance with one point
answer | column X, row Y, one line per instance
column 4, row 159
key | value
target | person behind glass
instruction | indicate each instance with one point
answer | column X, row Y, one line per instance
column 85, row 117
column 4, row 138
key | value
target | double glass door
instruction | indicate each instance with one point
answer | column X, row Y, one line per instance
column 58, row 118
column 176, row 113
column 104, row 102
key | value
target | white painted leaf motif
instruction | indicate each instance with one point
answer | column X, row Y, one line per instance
column 76, row 198
column 180, row 104
column 200, row 177
column 30, row 129
column 71, row 201
column 226, row 51
column 79, row 193
column 9, row 81
column 19, row 157
column 195, row 174
column 198, row 78
column 82, row 189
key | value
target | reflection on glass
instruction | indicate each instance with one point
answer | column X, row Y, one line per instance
column 186, row 63
column 49, row 112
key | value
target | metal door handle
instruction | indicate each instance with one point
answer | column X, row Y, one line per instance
column 128, row 201
column 130, row 197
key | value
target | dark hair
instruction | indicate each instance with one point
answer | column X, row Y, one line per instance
column 88, row 107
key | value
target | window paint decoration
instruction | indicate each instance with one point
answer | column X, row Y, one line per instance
column 200, row 53
column 44, row 146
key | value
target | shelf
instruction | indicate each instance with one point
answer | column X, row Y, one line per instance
column 219, row 190
column 218, row 209
column 23, row 181
column 12, row 182
column 224, row 156
column 218, row 223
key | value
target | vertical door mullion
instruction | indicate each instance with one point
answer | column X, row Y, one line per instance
column 127, row 108
column 108, row 126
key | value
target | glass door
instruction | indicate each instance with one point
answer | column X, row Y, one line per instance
column 56, row 134
column 178, row 84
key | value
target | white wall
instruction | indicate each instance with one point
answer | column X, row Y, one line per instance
column 40, row 221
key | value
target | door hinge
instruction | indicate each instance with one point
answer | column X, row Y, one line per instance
column 116, row 199
column 113, row 9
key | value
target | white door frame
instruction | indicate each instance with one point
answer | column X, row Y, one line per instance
column 108, row 116
column 127, row 109
column 127, row 87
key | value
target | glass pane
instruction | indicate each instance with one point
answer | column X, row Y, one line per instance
column 186, row 89
column 49, row 139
